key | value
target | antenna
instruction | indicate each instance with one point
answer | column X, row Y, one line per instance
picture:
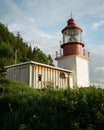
column 71, row 15
column 60, row 48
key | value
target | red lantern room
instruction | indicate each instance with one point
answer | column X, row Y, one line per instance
column 72, row 39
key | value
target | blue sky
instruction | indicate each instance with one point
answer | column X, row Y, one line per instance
column 40, row 23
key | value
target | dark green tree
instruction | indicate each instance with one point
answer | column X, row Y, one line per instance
column 39, row 56
column 50, row 61
column 6, row 55
column 14, row 50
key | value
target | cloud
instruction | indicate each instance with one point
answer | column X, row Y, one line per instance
column 98, row 24
column 100, row 69
column 97, row 64
column 9, row 11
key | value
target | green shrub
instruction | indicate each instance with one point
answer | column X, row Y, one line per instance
column 25, row 108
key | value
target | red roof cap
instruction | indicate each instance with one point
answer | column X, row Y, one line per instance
column 71, row 24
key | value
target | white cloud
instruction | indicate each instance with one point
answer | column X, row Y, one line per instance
column 9, row 11
column 98, row 24
column 97, row 64
column 100, row 69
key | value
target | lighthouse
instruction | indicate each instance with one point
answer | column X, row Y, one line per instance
column 74, row 56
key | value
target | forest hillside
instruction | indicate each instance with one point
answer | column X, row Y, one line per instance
column 14, row 50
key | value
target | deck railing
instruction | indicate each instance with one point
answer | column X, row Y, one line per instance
column 84, row 53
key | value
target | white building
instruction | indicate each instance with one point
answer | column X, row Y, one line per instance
column 39, row 75
column 72, row 70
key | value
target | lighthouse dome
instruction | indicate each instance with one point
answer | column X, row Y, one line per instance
column 71, row 22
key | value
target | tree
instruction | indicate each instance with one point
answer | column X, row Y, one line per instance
column 6, row 55
column 50, row 60
column 9, row 44
column 39, row 56
column 6, row 50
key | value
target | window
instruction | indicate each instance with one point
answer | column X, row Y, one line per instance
column 56, row 86
column 63, row 75
column 39, row 77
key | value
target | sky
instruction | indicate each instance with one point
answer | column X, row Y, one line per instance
column 40, row 23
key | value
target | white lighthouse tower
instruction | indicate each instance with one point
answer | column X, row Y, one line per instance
column 74, row 56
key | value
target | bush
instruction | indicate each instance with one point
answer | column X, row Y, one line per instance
column 25, row 108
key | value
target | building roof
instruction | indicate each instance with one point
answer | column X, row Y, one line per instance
column 37, row 63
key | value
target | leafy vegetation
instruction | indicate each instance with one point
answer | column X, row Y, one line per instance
column 14, row 50
column 24, row 108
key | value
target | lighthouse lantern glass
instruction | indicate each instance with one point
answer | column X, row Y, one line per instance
column 72, row 35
